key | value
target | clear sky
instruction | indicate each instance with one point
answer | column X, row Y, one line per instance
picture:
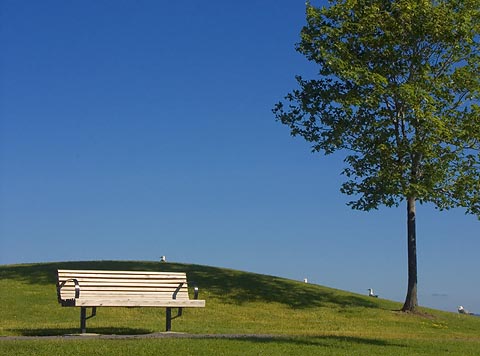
column 135, row 129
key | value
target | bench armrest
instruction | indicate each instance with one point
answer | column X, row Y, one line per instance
column 77, row 291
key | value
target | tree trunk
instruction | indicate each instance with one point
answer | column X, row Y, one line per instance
column 411, row 302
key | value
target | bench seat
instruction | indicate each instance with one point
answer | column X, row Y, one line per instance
column 95, row 288
column 114, row 301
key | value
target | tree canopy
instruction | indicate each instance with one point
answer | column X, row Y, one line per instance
column 399, row 88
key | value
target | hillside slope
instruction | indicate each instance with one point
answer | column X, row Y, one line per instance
column 237, row 303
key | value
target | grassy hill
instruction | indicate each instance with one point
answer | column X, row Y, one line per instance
column 246, row 314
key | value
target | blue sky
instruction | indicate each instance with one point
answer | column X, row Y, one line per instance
column 135, row 129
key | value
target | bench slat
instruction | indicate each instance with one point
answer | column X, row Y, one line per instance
column 86, row 284
column 107, row 294
column 70, row 295
column 133, row 292
column 126, row 302
column 132, row 274
column 114, row 277
column 171, row 289
column 117, row 271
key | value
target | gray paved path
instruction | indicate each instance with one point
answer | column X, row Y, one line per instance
column 159, row 335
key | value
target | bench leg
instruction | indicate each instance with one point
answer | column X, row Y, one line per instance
column 83, row 318
column 169, row 319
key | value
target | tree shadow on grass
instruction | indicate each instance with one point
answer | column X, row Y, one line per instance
column 326, row 341
column 229, row 286
column 241, row 287
column 323, row 340
column 46, row 273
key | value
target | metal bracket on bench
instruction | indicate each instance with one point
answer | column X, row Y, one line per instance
column 84, row 317
column 168, row 312
column 174, row 296
column 195, row 289
column 68, row 302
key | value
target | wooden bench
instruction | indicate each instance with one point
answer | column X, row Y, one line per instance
column 93, row 289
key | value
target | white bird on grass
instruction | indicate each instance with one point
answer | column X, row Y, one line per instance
column 371, row 293
column 462, row 310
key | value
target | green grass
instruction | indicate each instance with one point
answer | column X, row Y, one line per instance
column 280, row 317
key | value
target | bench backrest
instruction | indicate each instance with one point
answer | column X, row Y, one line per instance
column 128, row 284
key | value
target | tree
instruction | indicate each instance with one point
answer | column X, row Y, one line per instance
column 398, row 91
